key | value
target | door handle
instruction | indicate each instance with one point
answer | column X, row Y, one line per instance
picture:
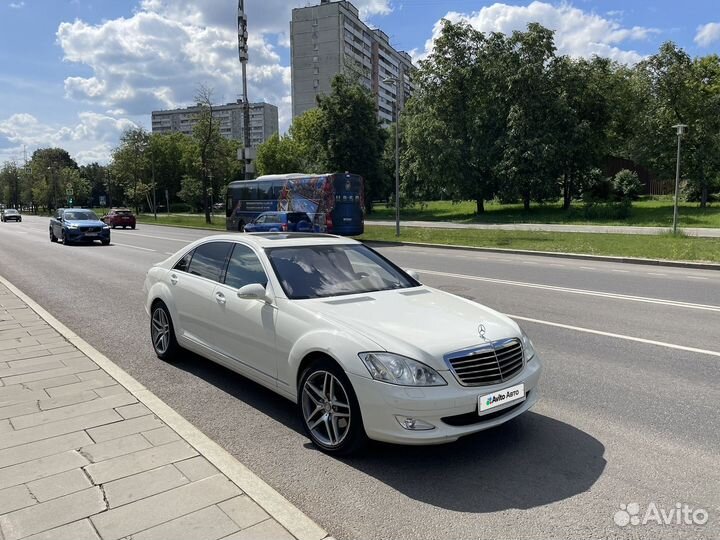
column 220, row 297
column 173, row 279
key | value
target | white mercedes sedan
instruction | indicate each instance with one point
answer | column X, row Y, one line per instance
column 360, row 345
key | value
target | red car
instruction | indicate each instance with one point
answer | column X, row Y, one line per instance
column 120, row 217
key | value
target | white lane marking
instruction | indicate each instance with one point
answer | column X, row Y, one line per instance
column 695, row 277
column 619, row 336
column 623, row 271
column 529, row 262
column 134, row 247
column 587, row 268
column 654, row 274
column 617, row 296
column 157, row 237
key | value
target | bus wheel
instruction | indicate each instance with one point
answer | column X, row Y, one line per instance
column 241, row 226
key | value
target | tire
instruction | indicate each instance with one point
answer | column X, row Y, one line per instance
column 53, row 238
column 105, row 242
column 241, row 226
column 168, row 348
column 64, row 240
column 334, row 436
column 132, row 227
column 113, row 226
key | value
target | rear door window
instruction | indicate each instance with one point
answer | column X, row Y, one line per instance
column 209, row 260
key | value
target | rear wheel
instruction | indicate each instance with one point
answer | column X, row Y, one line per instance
column 132, row 227
column 241, row 226
column 105, row 242
column 162, row 333
column 329, row 409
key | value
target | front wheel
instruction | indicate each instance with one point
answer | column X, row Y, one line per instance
column 162, row 333
column 241, row 226
column 329, row 409
column 53, row 238
column 64, row 239
column 105, row 242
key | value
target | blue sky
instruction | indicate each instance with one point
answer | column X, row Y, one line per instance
column 76, row 73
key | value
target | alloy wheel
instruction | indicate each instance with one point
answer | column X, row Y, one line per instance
column 160, row 330
column 326, row 408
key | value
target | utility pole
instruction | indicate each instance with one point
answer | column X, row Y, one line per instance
column 247, row 152
column 680, row 132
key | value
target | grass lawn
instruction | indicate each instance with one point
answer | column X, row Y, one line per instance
column 649, row 212
column 189, row 220
column 620, row 245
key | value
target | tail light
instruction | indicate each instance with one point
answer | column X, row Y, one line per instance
column 328, row 223
column 284, row 227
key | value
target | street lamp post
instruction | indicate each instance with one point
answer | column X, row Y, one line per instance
column 396, row 80
column 680, row 132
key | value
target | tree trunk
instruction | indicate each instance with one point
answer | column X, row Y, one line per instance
column 480, row 205
column 526, row 201
column 566, row 192
column 704, row 196
column 206, row 208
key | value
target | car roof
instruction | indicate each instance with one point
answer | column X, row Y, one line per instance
column 285, row 239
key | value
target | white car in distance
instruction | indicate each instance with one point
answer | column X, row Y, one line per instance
column 361, row 346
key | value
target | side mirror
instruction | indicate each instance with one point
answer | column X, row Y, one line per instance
column 413, row 274
column 252, row 291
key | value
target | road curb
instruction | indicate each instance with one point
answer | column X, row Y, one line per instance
column 558, row 254
column 279, row 508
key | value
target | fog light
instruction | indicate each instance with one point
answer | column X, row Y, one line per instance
column 413, row 424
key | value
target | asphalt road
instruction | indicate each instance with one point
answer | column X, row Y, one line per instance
column 629, row 411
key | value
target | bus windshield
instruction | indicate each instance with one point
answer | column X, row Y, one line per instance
column 334, row 202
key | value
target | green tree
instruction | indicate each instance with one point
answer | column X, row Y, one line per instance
column 206, row 134
column 130, row 168
column 353, row 136
column 278, row 155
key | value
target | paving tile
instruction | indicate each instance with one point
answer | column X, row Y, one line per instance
column 51, row 514
column 62, row 349
column 53, row 429
column 114, row 447
column 106, row 391
column 59, row 372
column 30, row 361
column 97, row 382
column 52, row 382
column 142, row 485
column 77, row 530
column 132, row 411
column 196, row 468
column 26, row 407
column 265, row 530
column 243, row 511
column 48, row 364
column 126, row 427
column 5, row 426
column 43, row 332
column 16, row 343
column 160, row 436
column 13, row 333
column 209, row 524
column 26, row 352
column 142, row 460
column 9, row 325
column 70, row 411
column 14, row 498
column 46, row 447
column 23, row 473
column 153, row 511
column 64, row 401
column 11, row 395
column 58, row 485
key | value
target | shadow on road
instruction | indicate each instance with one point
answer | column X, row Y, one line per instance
column 531, row 461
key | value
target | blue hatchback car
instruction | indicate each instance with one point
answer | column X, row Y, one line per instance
column 281, row 221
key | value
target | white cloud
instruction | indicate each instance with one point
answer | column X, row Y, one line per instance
column 90, row 139
column 158, row 57
column 707, row 34
column 577, row 32
column 16, row 5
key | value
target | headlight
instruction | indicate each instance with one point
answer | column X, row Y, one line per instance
column 106, row 226
column 528, row 347
column 396, row 369
column 72, row 226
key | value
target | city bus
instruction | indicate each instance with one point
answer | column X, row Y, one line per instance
column 335, row 202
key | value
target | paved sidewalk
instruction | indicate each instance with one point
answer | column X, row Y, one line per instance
column 82, row 457
column 550, row 227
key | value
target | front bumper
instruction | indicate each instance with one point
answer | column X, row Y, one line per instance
column 78, row 235
column 381, row 402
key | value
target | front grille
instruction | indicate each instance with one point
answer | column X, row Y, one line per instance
column 90, row 229
column 492, row 363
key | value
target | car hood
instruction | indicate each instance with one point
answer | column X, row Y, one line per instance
column 85, row 223
column 422, row 322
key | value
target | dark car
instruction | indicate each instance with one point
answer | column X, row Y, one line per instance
column 78, row 225
column 10, row 214
column 119, row 217
column 281, row 221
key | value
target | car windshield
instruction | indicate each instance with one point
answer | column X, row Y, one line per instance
column 334, row 270
column 11, row 211
column 80, row 215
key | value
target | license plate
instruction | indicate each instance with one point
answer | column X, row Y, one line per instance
column 501, row 397
column 91, row 234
